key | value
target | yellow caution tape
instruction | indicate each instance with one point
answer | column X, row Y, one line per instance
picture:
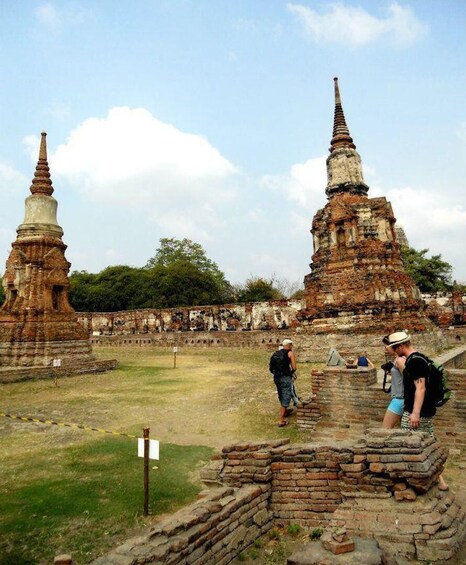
column 78, row 426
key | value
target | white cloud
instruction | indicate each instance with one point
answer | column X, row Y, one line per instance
column 353, row 25
column 132, row 159
column 49, row 16
column 431, row 221
column 461, row 132
column 54, row 19
column 11, row 180
column 305, row 182
column 13, row 189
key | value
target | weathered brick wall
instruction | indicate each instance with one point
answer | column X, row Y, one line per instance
column 446, row 308
column 389, row 468
column 226, row 317
column 345, row 403
column 443, row 308
column 308, row 347
column 306, row 487
column 382, row 486
column 212, row 531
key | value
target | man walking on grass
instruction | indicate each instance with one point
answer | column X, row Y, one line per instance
column 284, row 369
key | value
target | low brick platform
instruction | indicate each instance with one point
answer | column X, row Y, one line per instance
column 17, row 374
column 354, row 488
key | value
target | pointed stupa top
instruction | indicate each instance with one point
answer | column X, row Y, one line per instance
column 41, row 183
column 341, row 136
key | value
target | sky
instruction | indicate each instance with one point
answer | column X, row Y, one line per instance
column 211, row 120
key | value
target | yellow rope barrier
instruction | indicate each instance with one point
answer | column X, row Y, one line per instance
column 78, row 426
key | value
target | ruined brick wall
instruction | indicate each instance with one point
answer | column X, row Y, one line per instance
column 446, row 308
column 308, row 346
column 345, row 403
column 381, row 486
column 280, row 314
column 442, row 308
column 212, row 531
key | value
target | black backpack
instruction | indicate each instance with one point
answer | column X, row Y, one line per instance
column 437, row 379
column 279, row 363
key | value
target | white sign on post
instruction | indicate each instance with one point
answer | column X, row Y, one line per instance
column 175, row 349
column 56, row 363
column 153, row 448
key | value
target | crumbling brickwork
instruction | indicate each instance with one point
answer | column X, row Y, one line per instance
column 382, row 486
column 357, row 280
column 37, row 323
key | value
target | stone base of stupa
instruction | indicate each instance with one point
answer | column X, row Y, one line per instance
column 45, row 353
column 67, row 369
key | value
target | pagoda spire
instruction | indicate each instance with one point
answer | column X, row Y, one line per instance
column 42, row 183
column 341, row 135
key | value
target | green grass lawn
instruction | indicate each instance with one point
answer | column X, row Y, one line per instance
column 65, row 490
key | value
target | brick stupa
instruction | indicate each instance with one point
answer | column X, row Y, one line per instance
column 37, row 323
column 357, row 280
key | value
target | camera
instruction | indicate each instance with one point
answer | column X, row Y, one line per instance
column 387, row 367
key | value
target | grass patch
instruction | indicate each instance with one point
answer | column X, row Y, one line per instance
column 64, row 490
column 87, row 496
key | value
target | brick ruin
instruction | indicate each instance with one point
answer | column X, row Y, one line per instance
column 382, row 486
column 357, row 280
column 37, row 323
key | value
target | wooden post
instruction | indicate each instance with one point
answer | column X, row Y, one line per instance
column 175, row 349
column 146, row 471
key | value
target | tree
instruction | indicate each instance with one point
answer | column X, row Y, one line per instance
column 172, row 251
column 431, row 274
column 2, row 295
column 115, row 288
column 257, row 289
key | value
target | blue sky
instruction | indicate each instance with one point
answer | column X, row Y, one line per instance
column 211, row 119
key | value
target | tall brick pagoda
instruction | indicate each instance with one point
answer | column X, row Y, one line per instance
column 357, row 280
column 37, row 323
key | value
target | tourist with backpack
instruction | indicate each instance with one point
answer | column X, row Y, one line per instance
column 421, row 388
column 392, row 417
column 283, row 367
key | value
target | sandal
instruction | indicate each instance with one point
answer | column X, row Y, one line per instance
column 283, row 424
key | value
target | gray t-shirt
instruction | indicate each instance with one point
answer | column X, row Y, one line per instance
column 397, row 390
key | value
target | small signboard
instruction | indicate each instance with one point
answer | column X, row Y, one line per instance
column 153, row 448
column 56, row 363
column 175, row 349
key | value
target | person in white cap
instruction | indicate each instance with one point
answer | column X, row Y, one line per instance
column 283, row 371
column 419, row 402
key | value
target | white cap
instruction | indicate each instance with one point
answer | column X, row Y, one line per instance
column 287, row 342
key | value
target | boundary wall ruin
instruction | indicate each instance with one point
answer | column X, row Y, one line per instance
column 443, row 308
column 382, row 486
column 309, row 347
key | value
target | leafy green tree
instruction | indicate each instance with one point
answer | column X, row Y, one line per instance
column 2, row 295
column 184, row 284
column 257, row 289
column 431, row 274
column 172, row 251
column 115, row 288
